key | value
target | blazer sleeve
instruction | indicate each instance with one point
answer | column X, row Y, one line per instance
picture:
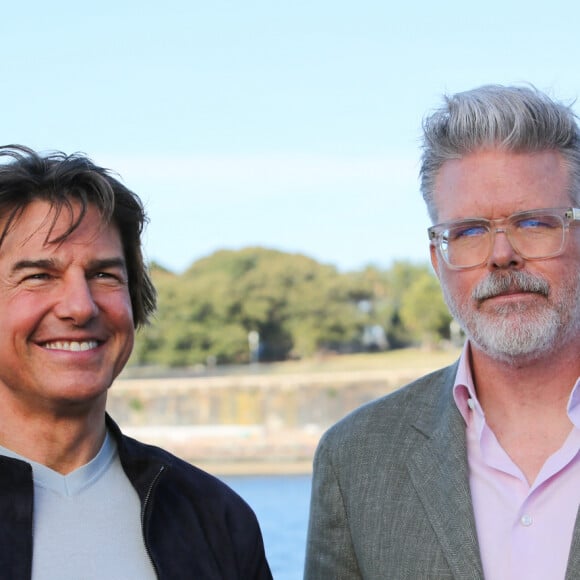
column 330, row 552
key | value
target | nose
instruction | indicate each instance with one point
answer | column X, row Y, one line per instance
column 503, row 255
column 76, row 302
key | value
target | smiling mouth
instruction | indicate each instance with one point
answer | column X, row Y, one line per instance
column 73, row 345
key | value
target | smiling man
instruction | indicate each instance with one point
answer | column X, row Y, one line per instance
column 473, row 471
column 78, row 499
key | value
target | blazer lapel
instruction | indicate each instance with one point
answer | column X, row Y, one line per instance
column 439, row 472
column 573, row 570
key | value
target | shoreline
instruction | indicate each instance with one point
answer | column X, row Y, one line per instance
column 254, row 468
column 235, row 450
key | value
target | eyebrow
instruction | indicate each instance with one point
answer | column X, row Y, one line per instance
column 50, row 264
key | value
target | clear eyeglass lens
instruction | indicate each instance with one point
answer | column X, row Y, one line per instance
column 469, row 243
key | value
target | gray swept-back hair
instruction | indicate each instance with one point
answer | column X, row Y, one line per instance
column 512, row 118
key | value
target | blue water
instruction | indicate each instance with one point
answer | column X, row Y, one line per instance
column 281, row 503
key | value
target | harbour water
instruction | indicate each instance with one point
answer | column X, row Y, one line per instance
column 281, row 503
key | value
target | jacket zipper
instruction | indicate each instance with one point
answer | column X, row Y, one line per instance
column 143, row 511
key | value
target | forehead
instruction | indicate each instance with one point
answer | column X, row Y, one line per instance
column 497, row 183
column 40, row 224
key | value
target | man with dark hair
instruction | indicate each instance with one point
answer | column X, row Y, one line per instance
column 473, row 471
column 79, row 499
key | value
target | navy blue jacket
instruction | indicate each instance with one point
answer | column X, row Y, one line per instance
column 195, row 526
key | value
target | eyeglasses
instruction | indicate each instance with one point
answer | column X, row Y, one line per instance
column 534, row 235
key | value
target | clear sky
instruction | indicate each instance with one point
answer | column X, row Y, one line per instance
column 293, row 125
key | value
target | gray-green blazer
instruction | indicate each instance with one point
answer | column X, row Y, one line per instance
column 390, row 492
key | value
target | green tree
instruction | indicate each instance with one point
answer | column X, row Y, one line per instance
column 424, row 312
column 296, row 305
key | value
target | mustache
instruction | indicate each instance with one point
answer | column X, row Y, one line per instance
column 497, row 283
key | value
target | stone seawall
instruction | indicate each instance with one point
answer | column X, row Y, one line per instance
column 246, row 423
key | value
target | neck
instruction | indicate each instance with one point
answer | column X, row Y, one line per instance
column 525, row 404
column 61, row 441
column 543, row 381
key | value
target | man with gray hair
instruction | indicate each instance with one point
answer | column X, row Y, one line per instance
column 473, row 471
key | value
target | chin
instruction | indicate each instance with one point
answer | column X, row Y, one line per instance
column 513, row 357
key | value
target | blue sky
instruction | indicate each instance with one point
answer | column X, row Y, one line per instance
column 290, row 125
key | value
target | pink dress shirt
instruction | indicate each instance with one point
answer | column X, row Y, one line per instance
column 524, row 531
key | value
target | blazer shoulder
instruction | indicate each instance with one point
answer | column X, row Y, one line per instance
column 424, row 398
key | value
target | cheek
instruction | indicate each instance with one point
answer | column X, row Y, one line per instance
column 117, row 307
column 119, row 319
column 21, row 315
column 459, row 285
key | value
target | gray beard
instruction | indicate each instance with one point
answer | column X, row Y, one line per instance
column 517, row 332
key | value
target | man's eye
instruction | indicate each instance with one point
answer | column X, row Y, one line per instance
column 541, row 222
column 38, row 276
column 108, row 277
column 466, row 232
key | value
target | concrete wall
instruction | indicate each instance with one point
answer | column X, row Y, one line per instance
column 249, row 423
column 288, row 401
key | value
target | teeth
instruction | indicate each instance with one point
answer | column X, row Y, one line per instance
column 73, row 345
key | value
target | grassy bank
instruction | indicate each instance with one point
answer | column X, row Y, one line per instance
column 422, row 360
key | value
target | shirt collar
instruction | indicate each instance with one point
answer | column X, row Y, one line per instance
column 574, row 404
column 464, row 392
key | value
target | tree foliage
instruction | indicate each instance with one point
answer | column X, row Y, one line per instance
column 296, row 306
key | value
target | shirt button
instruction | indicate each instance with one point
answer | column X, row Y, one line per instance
column 527, row 520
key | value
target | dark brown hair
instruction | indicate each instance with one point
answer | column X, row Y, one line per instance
column 60, row 180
